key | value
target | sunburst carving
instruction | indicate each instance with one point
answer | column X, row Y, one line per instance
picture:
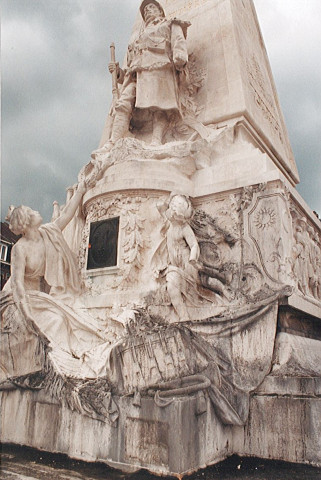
column 265, row 218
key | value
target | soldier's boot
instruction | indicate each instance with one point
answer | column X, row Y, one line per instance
column 119, row 130
column 159, row 127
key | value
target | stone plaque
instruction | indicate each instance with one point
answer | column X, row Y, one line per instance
column 103, row 241
column 147, row 441
column 269, row 228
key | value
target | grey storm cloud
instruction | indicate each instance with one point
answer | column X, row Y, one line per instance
column 56, row 89
column 55, row 92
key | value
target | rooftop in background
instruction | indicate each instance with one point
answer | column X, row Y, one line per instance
column 7, row 235
column 7, row 240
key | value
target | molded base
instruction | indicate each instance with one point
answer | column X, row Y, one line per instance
column 174, row 440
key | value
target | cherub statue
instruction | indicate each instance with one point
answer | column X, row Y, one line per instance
column 182, row 252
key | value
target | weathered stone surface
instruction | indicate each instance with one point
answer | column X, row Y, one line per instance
column 190, row 330
column 145, row 437
column 296, row 356
column 283, row 426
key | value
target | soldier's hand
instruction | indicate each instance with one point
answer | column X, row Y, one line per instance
column 113, row 67
column 180, row 63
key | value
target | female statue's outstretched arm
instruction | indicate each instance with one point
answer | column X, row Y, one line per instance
column 71, row 207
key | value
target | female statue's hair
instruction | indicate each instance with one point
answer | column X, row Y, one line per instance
column 18, row 218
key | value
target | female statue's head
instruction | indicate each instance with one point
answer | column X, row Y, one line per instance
column 21, row 218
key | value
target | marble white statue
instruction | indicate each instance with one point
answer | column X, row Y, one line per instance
column 182, row 250
column 204, row 324
column 45, row 283
column 150, row 79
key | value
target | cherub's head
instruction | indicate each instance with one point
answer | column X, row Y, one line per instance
column 21, row 218
column 180, row 207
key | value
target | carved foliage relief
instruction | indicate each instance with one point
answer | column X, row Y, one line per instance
column 133, row 238
column 246, row 243
column 267, row 224
column 249, row 241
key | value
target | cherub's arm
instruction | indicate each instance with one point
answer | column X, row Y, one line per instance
column 71, row 207
column 191, row 241
column 162, row 207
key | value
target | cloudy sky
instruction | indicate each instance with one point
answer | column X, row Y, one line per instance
column 56, row 89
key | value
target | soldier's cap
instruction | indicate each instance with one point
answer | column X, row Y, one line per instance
column 146, row 2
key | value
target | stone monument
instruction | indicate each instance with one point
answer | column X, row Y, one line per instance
column 170, row 314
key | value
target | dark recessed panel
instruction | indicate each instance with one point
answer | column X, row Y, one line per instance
column 103, row 241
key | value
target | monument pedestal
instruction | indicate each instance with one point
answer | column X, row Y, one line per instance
column 284, row 424
column 175, row 440
column 284, row 421
column 197, row 333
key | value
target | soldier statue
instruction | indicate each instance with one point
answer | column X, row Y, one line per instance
column 150, row 79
